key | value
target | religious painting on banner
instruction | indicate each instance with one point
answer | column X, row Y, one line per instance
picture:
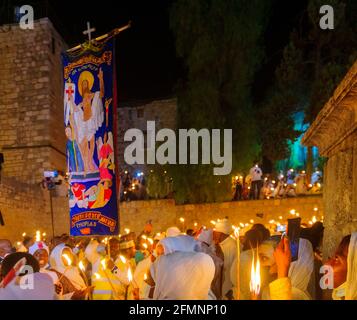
column 90, row 128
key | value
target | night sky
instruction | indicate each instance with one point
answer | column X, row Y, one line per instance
column 146, row 59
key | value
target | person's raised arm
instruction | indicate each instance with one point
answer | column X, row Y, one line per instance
column 280, row 289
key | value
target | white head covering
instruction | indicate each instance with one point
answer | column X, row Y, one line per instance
column 224, row 226
column 351, row 283
column 300, row 271
column 38, row 246
column 180, row 243
column 173, row 232
column 43, row 288
column 71, row 272
column 183, row 276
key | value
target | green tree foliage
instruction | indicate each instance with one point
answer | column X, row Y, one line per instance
column 219, row 43
column 313, row 64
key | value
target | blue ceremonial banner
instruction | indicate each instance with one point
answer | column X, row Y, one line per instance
column 90, row 127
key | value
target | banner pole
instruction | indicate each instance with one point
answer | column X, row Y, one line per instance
column 113, row 33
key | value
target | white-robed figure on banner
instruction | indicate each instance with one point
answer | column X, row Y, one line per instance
column 87, row 117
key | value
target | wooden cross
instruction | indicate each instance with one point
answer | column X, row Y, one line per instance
column 89, row 31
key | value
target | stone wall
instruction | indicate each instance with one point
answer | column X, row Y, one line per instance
column 334, row 132
column 31, row 133
column 165, row 214
column 31, row 103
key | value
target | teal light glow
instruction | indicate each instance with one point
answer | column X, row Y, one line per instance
column 298, row 153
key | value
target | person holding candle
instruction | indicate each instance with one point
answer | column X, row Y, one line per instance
column 252, row 239
column 117, row 271
column 294, row 275
column 68, row 274
column 40, row 252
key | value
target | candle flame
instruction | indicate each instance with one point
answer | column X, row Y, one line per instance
column 38, row 236
column 182, row 220
column 151, row 241
column 213, row 222
column 97, row 276
column 144, row 237
column 67, row 258
column 255, row 276
column 81, row 266
column 122, row 259
column 127, row 231
column 145, row 276
column 24, row 235
column 130, row 275
column 236, row 233
column 145, row 245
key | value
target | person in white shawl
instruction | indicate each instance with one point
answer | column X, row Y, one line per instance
column 300, row 271
column 180, row 272
column 344, row 265
column 69, row 275
column 207, row 246
column 221, row 237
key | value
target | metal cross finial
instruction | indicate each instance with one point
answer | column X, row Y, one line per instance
column 89, row 31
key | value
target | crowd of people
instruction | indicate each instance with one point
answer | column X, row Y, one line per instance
column 132, row 187
column 201, row 264
column 257, row 186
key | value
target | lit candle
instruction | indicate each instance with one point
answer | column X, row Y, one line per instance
column 127, row 231
column 182, row 220
column 151, row 241
column 255, row 278
column 38, row 236
column 81, row 266
column 130, row 279
column 24, row 235
column 236, row 233
column 68, row 260
column 122, row 259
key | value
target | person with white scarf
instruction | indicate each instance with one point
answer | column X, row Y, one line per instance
column 207, row 246
column 69, row 275
column 221, row 237
column 180, row 272
column 299, row 272
column 344, row 265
